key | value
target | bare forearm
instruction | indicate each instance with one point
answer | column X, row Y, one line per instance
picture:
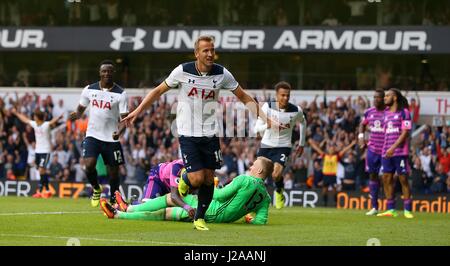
column 80, row 110
column 23, row 118
column 254, row 107
column 177, row 200
column 400, row 140
column 152, row 96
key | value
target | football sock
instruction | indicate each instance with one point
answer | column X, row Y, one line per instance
column 114, row 184
column 158, row 215
column 205, row 195
column 92, row 177
column 390, row 204
column 374, row 187
column 407, row 204
column 279, row 185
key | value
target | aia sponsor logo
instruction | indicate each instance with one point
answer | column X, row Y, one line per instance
column 101, row 104
column 202, row 93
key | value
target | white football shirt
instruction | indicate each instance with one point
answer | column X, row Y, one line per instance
column 43, row 137
column 198, row 97
column 274, row 138
column 105, row 109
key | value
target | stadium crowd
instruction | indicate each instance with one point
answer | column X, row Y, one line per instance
column 151, row 141
column 221, row 13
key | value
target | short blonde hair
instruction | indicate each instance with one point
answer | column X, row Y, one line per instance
column 267, row 166
column 207, row 38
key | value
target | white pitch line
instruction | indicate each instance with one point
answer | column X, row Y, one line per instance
column 107, row 240
column 46, row 213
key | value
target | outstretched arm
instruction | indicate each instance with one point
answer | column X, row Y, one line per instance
column 346, row 149
column 55, row 120
column 149, row 99
column 254, row 107
column 418, row 98
column 21, row 117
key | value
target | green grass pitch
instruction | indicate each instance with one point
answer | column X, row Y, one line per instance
column 43, row 222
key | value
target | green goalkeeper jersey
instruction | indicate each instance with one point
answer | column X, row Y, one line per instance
column 243, row 195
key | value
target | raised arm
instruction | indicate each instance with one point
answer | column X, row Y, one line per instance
column 21, row 117
column 418, row 99
column 346, row 149
column 315, row 147
column 55, row 120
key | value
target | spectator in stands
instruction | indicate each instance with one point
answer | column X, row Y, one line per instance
column 129, row 19
column 448, row 183
column 443, row 157
column 281, row 18
column 300, row 172
column 414, row 110
column 349, row 163
column 94, row 17
column 438, row 184
column 55, row 169
column 330, row 20
column 60, row 109
column 426, row 161
column 357, row 11
column 112, row 12
column 420, row 182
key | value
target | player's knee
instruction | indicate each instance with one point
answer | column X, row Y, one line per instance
column 196, row 179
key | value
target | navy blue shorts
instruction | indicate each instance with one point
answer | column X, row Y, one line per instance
column 41, row 160
column 200, row 153
column 373, row 162
column 396, row 164
column 329, row 180
column 276, row 155
column 111, row 152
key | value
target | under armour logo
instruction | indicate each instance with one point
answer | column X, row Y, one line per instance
column 215, row 83
column 136, row 39
column 191, row 80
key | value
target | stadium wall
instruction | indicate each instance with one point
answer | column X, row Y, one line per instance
column 307, row 198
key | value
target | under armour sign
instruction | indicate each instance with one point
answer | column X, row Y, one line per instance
column 136, row 39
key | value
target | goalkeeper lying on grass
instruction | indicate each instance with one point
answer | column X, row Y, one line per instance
column 245, row 194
